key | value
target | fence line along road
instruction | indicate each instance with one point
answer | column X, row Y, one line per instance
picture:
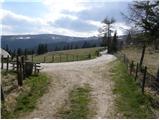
column 140, row 74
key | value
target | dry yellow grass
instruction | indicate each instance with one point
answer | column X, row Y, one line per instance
column 151, row 57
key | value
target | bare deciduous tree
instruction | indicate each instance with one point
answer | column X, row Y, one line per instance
column 145, row 15
column 106, row 32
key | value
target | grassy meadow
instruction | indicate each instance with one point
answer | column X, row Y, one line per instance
column 66, row 55
column 151, row 57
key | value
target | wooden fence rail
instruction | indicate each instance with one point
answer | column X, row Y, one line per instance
column 63, row 58
column 141, row 74
column 2, row 62
column 19, row 65
column 36, row 68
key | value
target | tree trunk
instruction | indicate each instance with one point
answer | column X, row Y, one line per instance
column 156, row 44
column 109, row 46
column 109, row 41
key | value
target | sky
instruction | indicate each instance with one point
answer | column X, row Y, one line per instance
column 80, row 18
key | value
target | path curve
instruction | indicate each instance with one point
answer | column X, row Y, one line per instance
column 65, row 76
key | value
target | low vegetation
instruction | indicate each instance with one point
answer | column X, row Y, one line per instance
column 151, row 57
column 67, row 55
column 130, row 102
column 33, row 88
column 79, row 100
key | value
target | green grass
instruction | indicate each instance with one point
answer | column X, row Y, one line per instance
column 4, row 72
column 79, row 100
column 130, row 102
column 73, row 55
column 27, row 99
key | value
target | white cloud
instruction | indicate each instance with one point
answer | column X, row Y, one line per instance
column 74, row 33
column 1, row 1
column 12, row 15
column 95, row 23
column 121, row 27
column 57, row 7
column 69, row 5
column 41, row 26
column 6, row 27
column 38, row 26
column 50, row 30
column 56, row 11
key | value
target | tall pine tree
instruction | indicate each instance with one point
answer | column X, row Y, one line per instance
column 114, row 43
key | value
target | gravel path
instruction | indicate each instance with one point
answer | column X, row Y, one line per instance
column 65, row 76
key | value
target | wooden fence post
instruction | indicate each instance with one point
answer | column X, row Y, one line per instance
column 131, row 67
column 2, row 94
column 127, row 62
column 97, row 53
column 72, row 57
column 13, row 66
column 67, row 58
column 77, row 57
column 157, row 77
column 60, row 57
column 17, row 62
column 142, row 56
column 25, row 56
column 52, row 58
column 23, row 67
column 32, row 58
column 144, row 79
column 7, row 62
column 44, row 59
column 35, row 69
column 136, row 75
column 2, row 62
column 124, row 58
column 12, row 56
column 20, row 75
column 89, row 56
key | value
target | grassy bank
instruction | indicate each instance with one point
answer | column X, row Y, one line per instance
column 78, row 104
column 130, row 103
column 67, row 55
column 33, row 88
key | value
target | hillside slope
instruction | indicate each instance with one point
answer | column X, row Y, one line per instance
column 53, row 40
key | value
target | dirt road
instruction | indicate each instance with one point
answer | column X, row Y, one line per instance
column 65, row 76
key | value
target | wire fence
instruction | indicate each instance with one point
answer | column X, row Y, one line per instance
column 21, row 68
column 145, row 79
column 62, row 57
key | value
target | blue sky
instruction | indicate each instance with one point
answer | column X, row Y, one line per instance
column 65, row 17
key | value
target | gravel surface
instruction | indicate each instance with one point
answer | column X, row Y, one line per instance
column 65, row 76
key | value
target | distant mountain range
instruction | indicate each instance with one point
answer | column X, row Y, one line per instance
column 52, row 40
